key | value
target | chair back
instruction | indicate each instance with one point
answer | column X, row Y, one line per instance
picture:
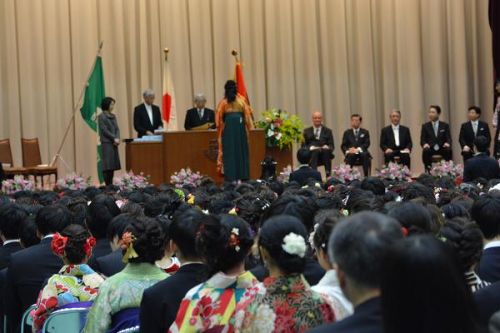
column 5, row 152
column 31, row 152
column 70, row 320
column 134, row 329
column 26, row 319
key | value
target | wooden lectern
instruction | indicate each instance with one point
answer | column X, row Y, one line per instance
column 181, row 149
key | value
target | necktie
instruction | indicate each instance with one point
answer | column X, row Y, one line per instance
column 316, row 133
column 435, row 129
column 474, row 128
column 200, row 114
column 356, row 134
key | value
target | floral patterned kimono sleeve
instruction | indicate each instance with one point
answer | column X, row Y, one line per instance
column 46, row 303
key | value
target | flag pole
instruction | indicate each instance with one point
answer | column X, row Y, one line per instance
column 75, row 108
column 235, row 55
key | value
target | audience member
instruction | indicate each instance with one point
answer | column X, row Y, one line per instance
column 304, row 172
column 481, row 165
column 12, row 218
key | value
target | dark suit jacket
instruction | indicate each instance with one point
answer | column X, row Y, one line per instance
column 26, row 274
column 488, row 302
column 142, row 124
column 160, row 302
column 387, row 138
column 325, row 138
column 6, row 251
column 489, row 265
column 466, row 137
column 427, row 134
column 101, row 249
column 110, row 264
column 349, row 140
column 193, row 119
column 303, row 174
column 313, row 272
column 481, row 166
column 367, row 318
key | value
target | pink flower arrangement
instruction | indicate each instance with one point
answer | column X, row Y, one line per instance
column 73, row 182
column 186, row 177
column 394, row 171
column 11, row 186
column 345, row 174
column 130, row 182
column 447, row 169
column 284, row 175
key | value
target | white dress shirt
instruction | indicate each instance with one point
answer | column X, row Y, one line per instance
column 395, row 130
column 149, row 110
column 200, row 112
column 475, row 126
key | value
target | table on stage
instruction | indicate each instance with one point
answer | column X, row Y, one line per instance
column 181, row 149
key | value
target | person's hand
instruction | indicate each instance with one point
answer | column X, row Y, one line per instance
column 388, row 151
column 446, row 145
column 311, row 148
column 466, row 149
column 426, row 146
column 325, row 147
column 353, row 150
column 117, row 142
column 149, row 133
column 405, row 151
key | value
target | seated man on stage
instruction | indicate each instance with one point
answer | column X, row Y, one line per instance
column 147, row 116
column 319, row 140
column 435, row 137
column 472, row 129
column 199, row 115
column 395, row 140
column 355, row 143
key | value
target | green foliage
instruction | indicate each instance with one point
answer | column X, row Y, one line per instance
column 282, row 129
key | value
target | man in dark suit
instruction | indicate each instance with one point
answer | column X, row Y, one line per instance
column 161, row 302
column 31, row 267
column 355, row 143
column 12, row 218
column 199, row 115
column 319, row 140
column 481, row 165
column 147, row 116
column 435, row 137
column 359, row 244
column 472, row 129
column 395, row 140
column 304, row 172
column 487, row 300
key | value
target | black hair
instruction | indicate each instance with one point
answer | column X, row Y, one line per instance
column 164, row 223
column 416, row 190
column 433, row 272
column 485, row 212
column 475, row 108
column 99, row 213
column 77, row 237
column 220, row 206
column 454, row 209
column 328, row 200
column 303, row 155
column 251, row 208
column 374, row 185
column 183, row 231
column 465, row 238
column 271, row 238
column 230, row 90
column 52, row 219
column 436, row 107
column 132, row 208
column 149, row 240
column 106, row 103
column 299, row 206
column 359, row 243
column 356, row 115
column 118, row 224
column 481, row 143
column 11, row 219
column 413, row 216
column 213, row 242
column 323, row 231
column 28, row 233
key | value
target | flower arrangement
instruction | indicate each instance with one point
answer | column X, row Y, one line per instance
column 186, row 177
column 130, row 182
column 345, row 174
column 446, row 169
column 394, row 171
column 284, row 175
column 282, row 129
column 73, row 182
column 11, row 186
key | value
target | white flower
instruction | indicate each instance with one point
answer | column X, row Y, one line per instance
column 235, row 231
column 264, row 319
column 294, row 244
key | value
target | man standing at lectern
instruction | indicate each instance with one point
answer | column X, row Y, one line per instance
column 147, row 116
column 199, row 115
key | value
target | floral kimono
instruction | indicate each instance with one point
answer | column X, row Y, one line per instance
column 74, row 283
column 211, row 306
column 287, row 304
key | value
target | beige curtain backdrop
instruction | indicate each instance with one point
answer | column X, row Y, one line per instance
column 337, row 56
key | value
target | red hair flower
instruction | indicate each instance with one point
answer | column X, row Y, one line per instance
column 127, row 239
column 89, row 245
column 58, row 244
column 234, row 240
column 404, row 231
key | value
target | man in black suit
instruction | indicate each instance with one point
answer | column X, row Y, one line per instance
column 304, row 172
column 481, row 165
column 199, row 115
column 31, row 267
column 355, row 143
column 319, row 140
column 472, row 129
column 435, row 137
column 147, row 116
column 161, row 302
column 487, row 300
column 12, row 218
column 358, row 245
column 395, row 140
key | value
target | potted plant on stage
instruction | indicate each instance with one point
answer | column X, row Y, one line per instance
column 282, row 130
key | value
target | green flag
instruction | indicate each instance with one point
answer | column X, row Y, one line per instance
column 94, row 94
